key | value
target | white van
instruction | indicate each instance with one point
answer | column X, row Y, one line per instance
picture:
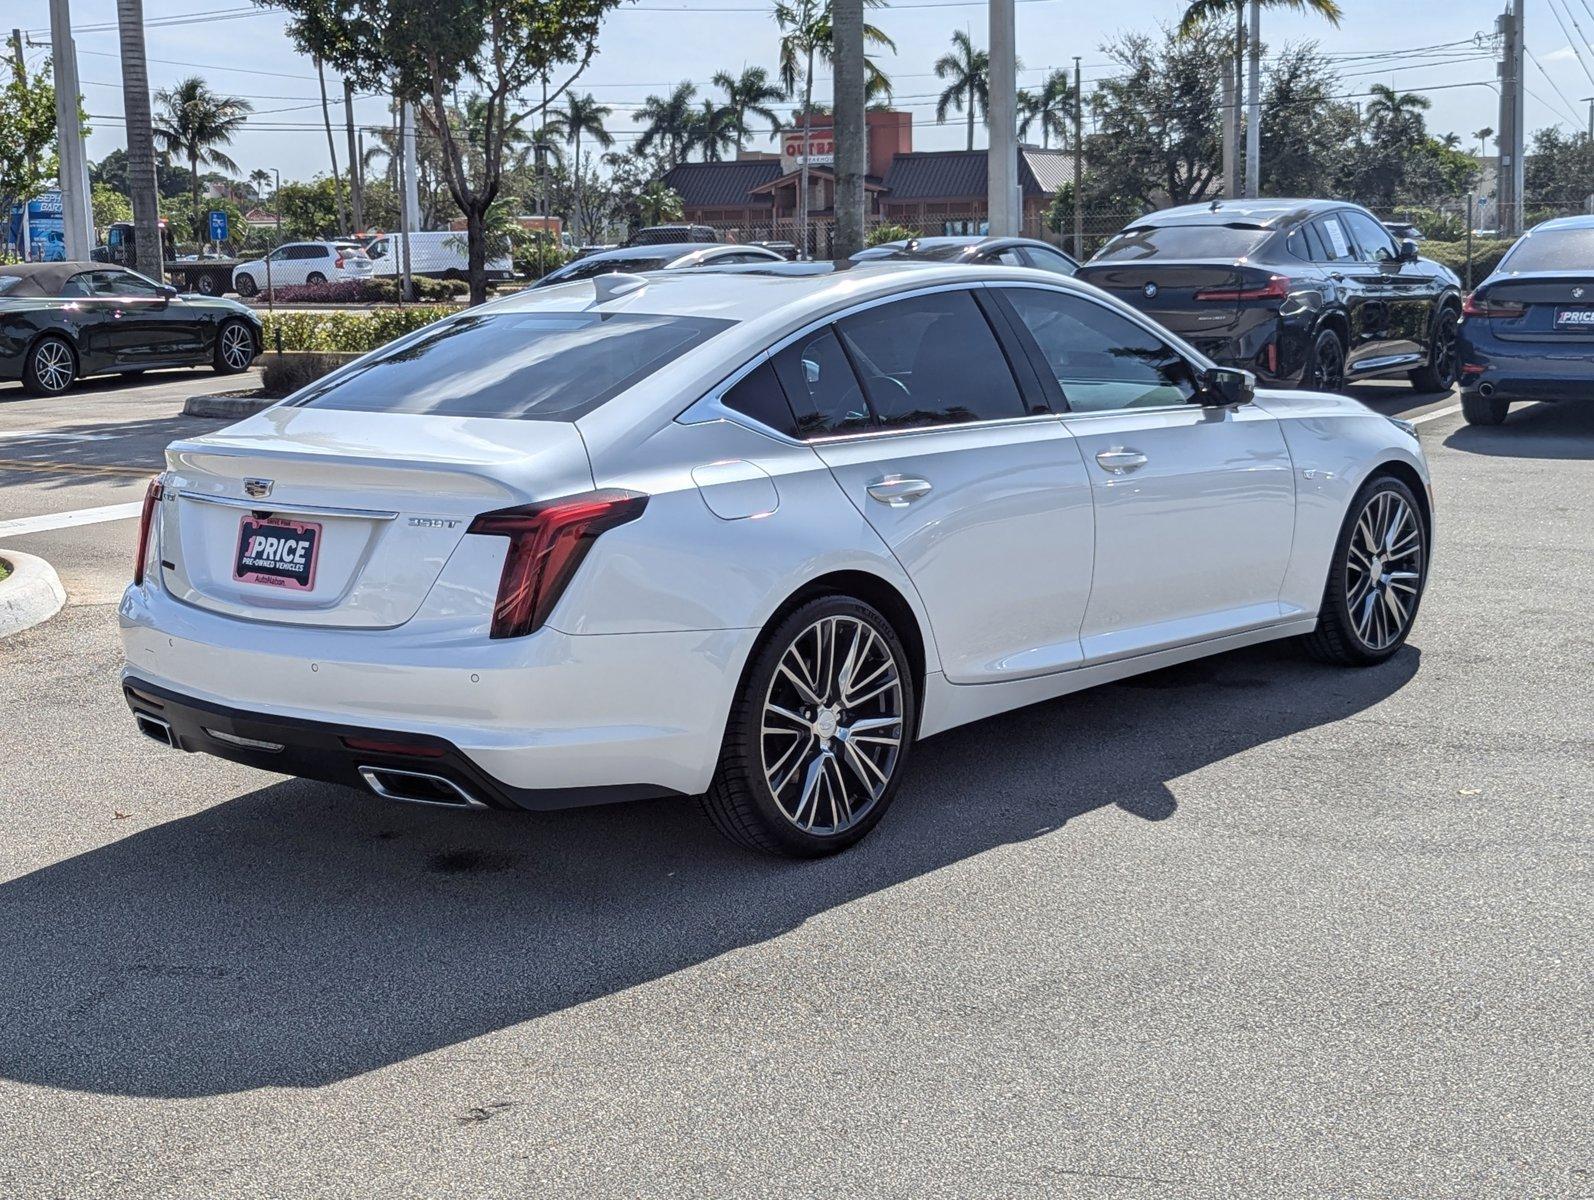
column 439, row 253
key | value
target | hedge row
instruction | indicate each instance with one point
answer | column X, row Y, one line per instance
column 347, row 333
column 1486, row 256
column 381, row 290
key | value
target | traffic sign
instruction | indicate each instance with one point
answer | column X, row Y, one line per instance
column 218, row 225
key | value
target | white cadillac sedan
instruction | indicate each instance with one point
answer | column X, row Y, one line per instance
column 746, row 535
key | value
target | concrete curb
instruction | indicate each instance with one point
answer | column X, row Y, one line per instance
column 31, row 594
column 226, row 408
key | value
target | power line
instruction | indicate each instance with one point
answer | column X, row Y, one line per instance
column 1556, row 13
column 1569, row 109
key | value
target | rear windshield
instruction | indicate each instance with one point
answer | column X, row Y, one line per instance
column 536, row 366
column 1183, row 241
column 608, row 266
column 1552, row 250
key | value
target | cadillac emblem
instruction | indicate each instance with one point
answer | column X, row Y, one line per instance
column 257, row 489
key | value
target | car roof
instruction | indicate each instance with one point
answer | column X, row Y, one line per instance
column 658, row 250
column 1259, row 214
column 1580, row 221
column 47, row 279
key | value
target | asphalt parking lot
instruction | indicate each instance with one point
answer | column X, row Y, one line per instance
column 1246, row 927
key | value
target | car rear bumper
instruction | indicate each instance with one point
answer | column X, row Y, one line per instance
column 1546, row 369
column 545, row 721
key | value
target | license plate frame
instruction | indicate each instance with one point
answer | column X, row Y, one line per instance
column 1582, row 318
column 286, row 556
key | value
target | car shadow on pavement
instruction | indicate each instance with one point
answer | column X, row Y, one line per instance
column 1563, row 430
column 302, row 934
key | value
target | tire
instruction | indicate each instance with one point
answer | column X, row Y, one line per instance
column 208, row 285
column 235, row 348
column 314, row 279
column 1443, row 361
column 50, row 368
column 1325, row 370
column 246, row 285
column 1484, row 410
column 1359, row 626
column 829, row 781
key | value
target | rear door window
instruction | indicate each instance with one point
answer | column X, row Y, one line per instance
column 529, row 365
column 820, row 386
column 931, row 360
column 1048, row 260
column 1336, row 245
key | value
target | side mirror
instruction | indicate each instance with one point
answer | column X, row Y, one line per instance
column 167, row 291
column 1226, row 387
column 1408, row 251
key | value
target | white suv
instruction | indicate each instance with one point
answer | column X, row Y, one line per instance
column 300, row 263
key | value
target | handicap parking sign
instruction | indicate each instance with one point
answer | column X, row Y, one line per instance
column 218, row 225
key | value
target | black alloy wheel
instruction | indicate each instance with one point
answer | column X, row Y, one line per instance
column 1325, row 371
column 1443, row 357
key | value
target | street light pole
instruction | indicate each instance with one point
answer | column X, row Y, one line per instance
column 1001, row 168
column 1253, row 126
column 77, row 222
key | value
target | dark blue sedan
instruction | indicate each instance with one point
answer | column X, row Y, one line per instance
column 1527, row 332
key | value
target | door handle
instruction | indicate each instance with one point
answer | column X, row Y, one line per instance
column 897, row 491
column 1120, row 461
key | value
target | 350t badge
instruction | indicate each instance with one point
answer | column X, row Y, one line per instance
column 277, row 553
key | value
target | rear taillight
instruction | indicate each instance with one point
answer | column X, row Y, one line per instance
column 1276, row 288
column 1481, row 306
column 547, row 542
column 146, row 519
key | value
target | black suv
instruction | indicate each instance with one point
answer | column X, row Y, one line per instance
column 1305, row 293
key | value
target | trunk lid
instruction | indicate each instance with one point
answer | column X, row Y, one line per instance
column 1168, row 290
column 357, row 512
column 1556, row 306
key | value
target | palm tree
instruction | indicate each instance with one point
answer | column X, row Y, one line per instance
column 1483, row 135
column 1397, row 115
column 713, row 131
column 749, row 95
column 669, row 121
column 1053, row 106
column 656, row 204
column 1199, row 12
column 968, row 75
column 192, row 123
column 1451, row 141
column 581, row 115
column 258, row 178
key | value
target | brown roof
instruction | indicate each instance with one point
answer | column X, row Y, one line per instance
column 961, row 174
column 722, row 184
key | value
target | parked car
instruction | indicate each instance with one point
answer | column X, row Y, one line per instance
column 657, row 235
column 60, row 322
column 787, row 250
column 672, row 257
column 1527, row 331
column 438, row 253
column 302, row 263
column 746, row 535
column 1305, row 293
column 1007, row 251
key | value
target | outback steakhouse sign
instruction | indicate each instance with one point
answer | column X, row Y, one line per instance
column 821, row 146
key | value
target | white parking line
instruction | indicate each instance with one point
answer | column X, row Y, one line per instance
column 67, row 520
column 1435, row 415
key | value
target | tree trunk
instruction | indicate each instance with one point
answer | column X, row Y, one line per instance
column 356, row 167
column 848, row 120
column 575, row 206
column 971, row 114
column 802, row 173
column 476, row 250
column 332, row 146
column 140, row 141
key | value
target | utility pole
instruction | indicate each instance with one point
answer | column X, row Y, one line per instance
column 1235, row 115
column 1253, row 124
column 356, row 183
column 1079, row 163
column 1001, row 166
column 77, row 225
column 1510, row 143
column 850, row 126
column 1229, row 106
column 1589, row 100
column 24, row 246
column 411, row 193
column 147, row 249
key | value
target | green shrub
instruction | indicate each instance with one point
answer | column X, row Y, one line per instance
column 1433, row 224
column 284, row 374
column 1486, row 256
column 346, row 332
column 891, row 233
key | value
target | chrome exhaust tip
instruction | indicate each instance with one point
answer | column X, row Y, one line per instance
column 418, row 787
column 154, row 727
column 1486, row 390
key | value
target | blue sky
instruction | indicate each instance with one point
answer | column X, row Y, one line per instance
column 649, row 45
